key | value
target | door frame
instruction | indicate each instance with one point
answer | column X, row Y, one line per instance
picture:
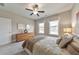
column 10, row 32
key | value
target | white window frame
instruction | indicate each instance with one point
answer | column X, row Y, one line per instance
column 53, row 31
column 41, row 28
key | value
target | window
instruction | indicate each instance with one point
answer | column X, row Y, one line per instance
column 41, row 27
column 53, row 27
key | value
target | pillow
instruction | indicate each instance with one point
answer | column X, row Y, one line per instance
column 58, row 41
column 64, row 42
column 67, row 36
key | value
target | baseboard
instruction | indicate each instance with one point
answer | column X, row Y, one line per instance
column 5, row 44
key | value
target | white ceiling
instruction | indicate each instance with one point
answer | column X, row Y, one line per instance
column 49, row 8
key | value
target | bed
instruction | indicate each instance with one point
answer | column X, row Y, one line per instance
column 47, row 46
column 42, row 45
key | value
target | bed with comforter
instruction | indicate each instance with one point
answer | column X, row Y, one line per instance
column 42, row 45
column 47, row 46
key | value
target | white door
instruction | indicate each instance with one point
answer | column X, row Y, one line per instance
column 5, row 31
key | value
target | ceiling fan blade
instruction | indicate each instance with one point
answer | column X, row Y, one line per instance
column 37, row 14
column 41, row 11
column 28, row 9
column 31, row 14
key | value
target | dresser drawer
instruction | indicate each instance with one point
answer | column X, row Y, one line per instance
column 24, row 36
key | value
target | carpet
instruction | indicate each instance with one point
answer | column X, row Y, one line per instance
column 12, row 49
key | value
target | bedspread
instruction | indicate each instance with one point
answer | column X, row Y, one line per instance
column 30, row 43
column 43, row 46
column 47, row 46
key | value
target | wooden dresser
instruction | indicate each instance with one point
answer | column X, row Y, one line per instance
column 24, row 36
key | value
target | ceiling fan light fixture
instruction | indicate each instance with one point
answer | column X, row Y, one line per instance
column 35, row 12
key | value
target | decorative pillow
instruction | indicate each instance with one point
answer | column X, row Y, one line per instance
column 64, row 42
column 58, row 41
column 68, row 36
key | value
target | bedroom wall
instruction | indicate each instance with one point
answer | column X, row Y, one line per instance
column 65, row 21
column 75, row 22
column 15, row 19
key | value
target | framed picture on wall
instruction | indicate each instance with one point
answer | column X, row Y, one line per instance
column 21, row 26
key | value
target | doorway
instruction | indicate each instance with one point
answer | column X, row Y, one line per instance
column 5, row 31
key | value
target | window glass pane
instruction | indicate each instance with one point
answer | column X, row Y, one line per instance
column 41, row 27
column 53, row 27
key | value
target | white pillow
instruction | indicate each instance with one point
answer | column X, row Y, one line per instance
column 68, row 36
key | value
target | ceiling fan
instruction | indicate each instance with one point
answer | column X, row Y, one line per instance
column 35, row 10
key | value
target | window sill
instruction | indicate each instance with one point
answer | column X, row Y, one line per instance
column 53, row 35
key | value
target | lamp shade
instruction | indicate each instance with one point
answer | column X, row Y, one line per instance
column 67, row 30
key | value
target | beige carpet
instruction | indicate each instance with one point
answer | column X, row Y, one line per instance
column 12, row 49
